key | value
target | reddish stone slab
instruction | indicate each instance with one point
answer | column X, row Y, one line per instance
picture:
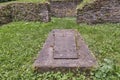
column 75, row 55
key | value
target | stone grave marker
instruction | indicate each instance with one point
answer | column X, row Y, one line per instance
column 64, row 50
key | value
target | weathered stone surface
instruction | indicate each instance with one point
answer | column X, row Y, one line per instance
column 64, row 44
column 31, row 11
column 25, row 12
column 82, row 57
column 5, row 16
column 101, row 11
column 64, row 8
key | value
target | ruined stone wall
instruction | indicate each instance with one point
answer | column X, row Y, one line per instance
column 25, row 12
column 5, row 16
column 30, row 12
column 64, row 8
column 101, row 11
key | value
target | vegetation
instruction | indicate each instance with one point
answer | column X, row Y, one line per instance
column 5, row 0
column 12, row 1
column 84, row 2
column 21, row 41
column 31, row 0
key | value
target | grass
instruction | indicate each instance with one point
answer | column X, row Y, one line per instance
column 21, row 41
column 84, row 2
column 33, row 1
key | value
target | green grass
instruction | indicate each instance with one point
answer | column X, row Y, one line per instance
column 19, row 1
column 84, row 2
column 21, row 41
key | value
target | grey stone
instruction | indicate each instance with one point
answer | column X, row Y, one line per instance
column 75, row 55
column 101, row 11
column 64, row 8
column 25, row 12
column 64, row 44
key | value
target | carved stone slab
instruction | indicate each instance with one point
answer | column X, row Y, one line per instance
column 64, row 50
column 64, row 44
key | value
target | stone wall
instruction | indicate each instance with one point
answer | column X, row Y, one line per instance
column 64, row 8
column 101, row 11
column 5, row 16
column 30, row 12
column 25, row 11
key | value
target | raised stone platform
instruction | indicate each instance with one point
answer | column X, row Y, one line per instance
column 64, row 50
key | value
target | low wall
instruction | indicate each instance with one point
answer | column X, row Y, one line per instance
column 101, row 11
column 30, row 12
column 5, row 15
column 64, row 8
column 25, row 11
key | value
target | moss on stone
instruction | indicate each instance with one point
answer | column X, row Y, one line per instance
column 22, row 11
column 85, row 2
column 26, row 1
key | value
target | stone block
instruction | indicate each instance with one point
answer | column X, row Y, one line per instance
column 64, row 50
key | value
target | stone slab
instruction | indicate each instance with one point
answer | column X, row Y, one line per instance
column 64, row 45
column 49, row 60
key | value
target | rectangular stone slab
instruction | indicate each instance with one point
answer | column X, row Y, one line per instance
column 49, row 60
column 64, row 45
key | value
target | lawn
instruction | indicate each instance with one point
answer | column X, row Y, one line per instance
column 14, row 1
column 21, row 41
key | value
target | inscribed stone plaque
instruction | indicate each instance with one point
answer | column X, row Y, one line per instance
column 64, row 45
